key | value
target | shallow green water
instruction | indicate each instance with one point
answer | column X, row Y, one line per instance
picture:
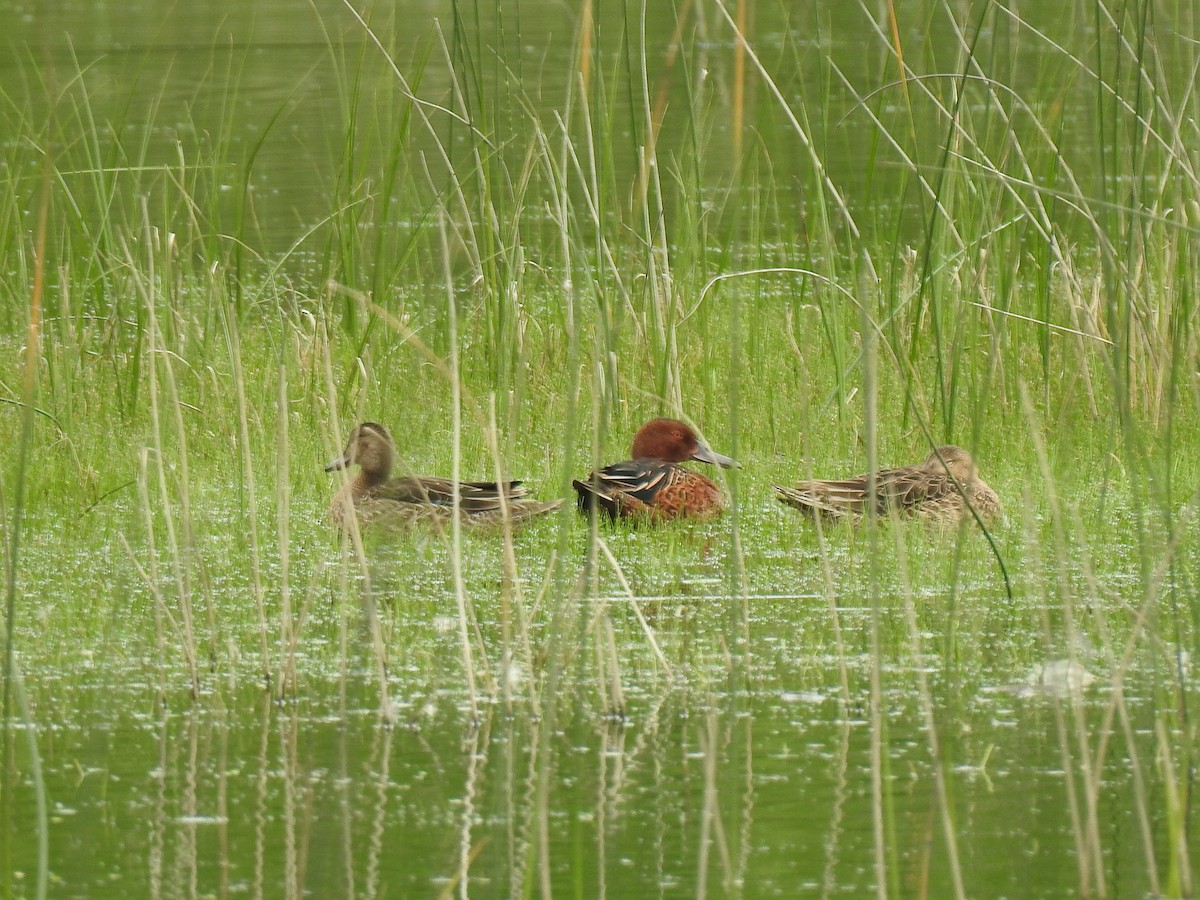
column 217, row 86
column 764, row 792
column 738, row 758
column 736, row 776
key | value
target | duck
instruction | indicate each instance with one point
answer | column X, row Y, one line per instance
column 651, row 485
column 377, row 500
column 943, row 489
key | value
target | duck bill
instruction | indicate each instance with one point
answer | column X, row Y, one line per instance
column 704, row 454
column 340, row 463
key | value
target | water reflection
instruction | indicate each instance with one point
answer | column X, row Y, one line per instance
column 729, row 777
column 291, row 120
column 695, row 792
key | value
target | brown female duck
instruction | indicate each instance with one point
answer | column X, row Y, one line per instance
column 378, row 500
column 943, row 489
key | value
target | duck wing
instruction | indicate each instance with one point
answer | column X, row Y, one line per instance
column 834, row 499
column 837, row 498
column 909, row 488
column 474, row 496
column 627, row 487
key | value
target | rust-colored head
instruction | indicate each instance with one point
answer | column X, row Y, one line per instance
column 672, row 441
column 369, row 446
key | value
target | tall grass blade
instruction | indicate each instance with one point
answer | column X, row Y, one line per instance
column 13, row 520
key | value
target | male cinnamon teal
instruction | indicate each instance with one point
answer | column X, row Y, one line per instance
column 651, row 485
column 933, row 490
column 378, row 500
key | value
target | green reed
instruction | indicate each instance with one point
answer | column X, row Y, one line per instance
column 12, row 515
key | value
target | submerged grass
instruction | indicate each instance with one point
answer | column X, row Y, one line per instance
column 828, row 270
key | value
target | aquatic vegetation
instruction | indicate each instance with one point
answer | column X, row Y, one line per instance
column 833, row 239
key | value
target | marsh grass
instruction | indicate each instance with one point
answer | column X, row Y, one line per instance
column 514, row 277
column 12, row 509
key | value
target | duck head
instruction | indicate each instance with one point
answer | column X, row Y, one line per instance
column 672, row 441
column 955, row 460
column 369, row 446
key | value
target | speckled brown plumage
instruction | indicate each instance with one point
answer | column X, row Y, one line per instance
column 942, row 489
column 379, row 501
